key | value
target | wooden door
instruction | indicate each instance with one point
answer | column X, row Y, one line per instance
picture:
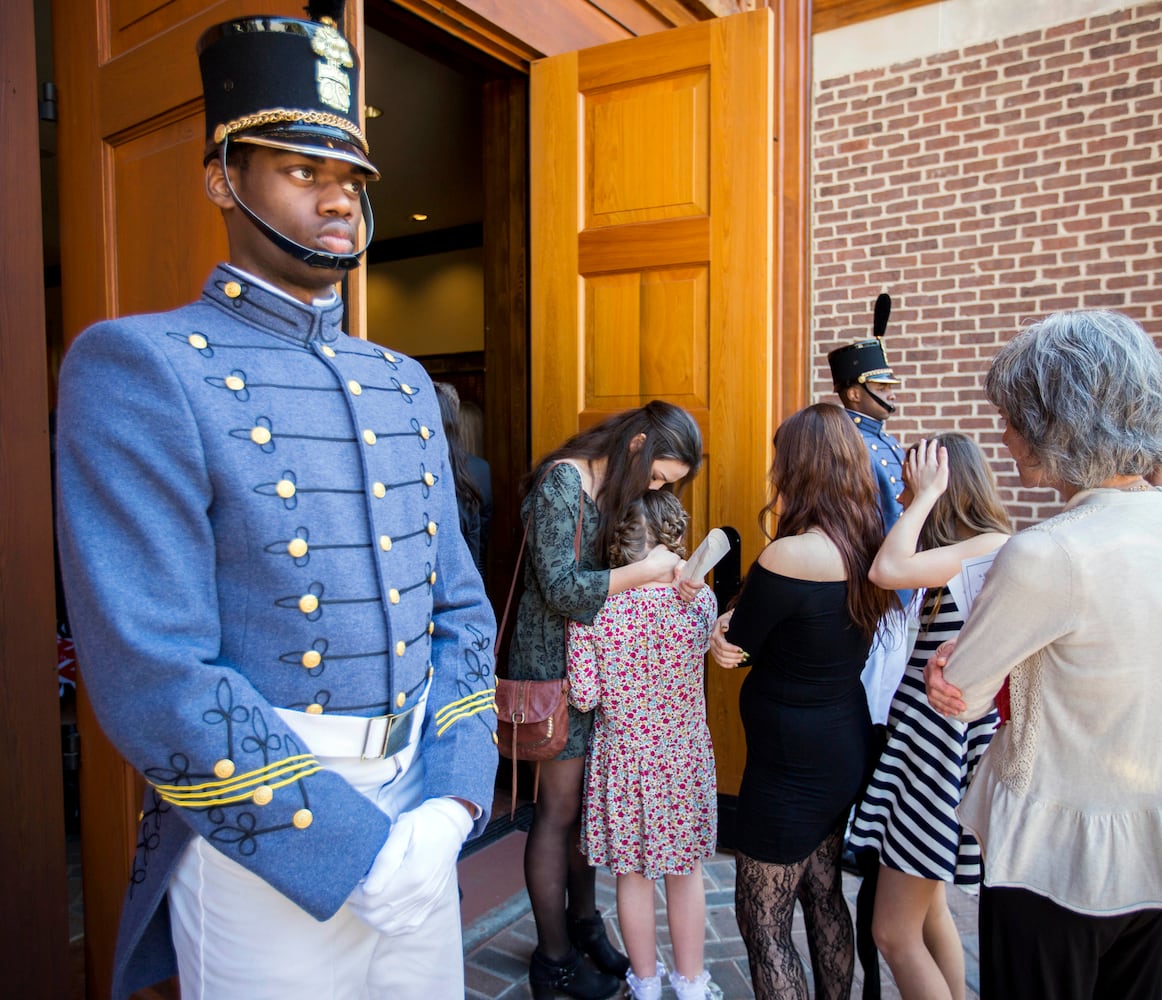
column 137, row 235
column 668, row 238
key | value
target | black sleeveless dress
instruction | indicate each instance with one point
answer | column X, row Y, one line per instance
column 804, row 712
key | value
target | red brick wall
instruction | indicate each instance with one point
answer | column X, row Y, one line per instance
column 981, row 189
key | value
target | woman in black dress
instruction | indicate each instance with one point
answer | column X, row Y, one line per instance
column 804, row 622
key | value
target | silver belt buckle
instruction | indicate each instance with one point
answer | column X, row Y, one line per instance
column 396, row 735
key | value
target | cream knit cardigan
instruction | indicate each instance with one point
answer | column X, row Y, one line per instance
column 1067, row 801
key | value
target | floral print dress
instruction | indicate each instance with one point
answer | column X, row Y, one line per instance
column 650, row 790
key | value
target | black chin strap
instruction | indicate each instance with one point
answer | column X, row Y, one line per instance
column 316, row 258
column 883, row 402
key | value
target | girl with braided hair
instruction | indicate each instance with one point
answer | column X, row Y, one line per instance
column 650, row 792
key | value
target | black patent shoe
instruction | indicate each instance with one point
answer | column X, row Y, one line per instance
column 589, row 936
column 573, row 976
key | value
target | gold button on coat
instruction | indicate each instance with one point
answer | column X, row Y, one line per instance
column 369, row 436
column 262, row 795
column 379, row 490
column 285, row 489
column 401, row 647
column 314, row 709
column 224, row 768
column 308, row 603
column 197, row 341
column 297, row 548
column 400, row 700
column 232, row 289
column 393, row 595
column 328, row 351
column 234, row 383
column 312, row 658
column 406, row 389
column 429, row 479
column 385, row 542
column 425, row 433
column 302, row 819
column 260, row 435
column 354, row 388
column 431, row 527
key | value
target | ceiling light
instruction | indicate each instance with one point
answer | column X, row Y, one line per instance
column 371, row 111
column 420, row 217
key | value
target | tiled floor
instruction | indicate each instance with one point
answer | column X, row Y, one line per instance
column 499, row 935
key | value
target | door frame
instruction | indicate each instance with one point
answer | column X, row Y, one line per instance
column 34, row 953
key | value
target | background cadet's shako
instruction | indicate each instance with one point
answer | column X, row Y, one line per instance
column 288, row 84
column 865, row 360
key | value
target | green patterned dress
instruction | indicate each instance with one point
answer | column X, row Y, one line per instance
column 557, row 589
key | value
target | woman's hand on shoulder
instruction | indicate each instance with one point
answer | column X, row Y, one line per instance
column 725, row 654
column 661, row 565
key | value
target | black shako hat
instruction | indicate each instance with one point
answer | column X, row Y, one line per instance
column 865, row 361
column 286, row 83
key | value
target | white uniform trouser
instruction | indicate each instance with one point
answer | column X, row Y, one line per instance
column 239, row 939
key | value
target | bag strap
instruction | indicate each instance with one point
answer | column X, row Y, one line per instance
column 524, row 539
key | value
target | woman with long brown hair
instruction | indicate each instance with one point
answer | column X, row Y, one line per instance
column 804, row 622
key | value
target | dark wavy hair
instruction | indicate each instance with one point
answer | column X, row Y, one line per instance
column 467, row 492
column 655, row 518
column 821, row 478
column 670, row 433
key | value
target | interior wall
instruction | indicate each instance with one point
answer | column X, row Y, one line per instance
column 428, row 305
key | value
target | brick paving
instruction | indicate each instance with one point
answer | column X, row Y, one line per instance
column 498, row 944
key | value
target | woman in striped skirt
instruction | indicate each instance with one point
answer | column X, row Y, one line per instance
column 908, row 813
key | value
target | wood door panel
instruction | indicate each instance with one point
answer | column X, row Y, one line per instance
column 647, row 150
column 172, row 153
column 646, row 338
column 151, row 68
column 640, row 58
column 661, row 249
column 660, row 244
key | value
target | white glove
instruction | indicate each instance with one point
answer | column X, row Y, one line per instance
column 414, row 866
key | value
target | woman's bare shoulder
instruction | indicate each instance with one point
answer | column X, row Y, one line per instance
column 809, row 556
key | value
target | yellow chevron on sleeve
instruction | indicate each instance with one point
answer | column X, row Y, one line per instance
column 483, row 701
column 468, row 701
column 238, row 788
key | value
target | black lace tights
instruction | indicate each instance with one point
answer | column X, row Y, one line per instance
column 555, row 869
column 764, row 899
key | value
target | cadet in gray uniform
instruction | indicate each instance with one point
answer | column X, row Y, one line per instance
column 278, row 621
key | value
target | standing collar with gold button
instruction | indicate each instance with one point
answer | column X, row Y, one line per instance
column 255, row 301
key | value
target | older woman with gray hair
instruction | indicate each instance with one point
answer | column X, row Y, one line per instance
column 1067, row 802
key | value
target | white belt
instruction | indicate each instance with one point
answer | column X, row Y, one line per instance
column 372, row 738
